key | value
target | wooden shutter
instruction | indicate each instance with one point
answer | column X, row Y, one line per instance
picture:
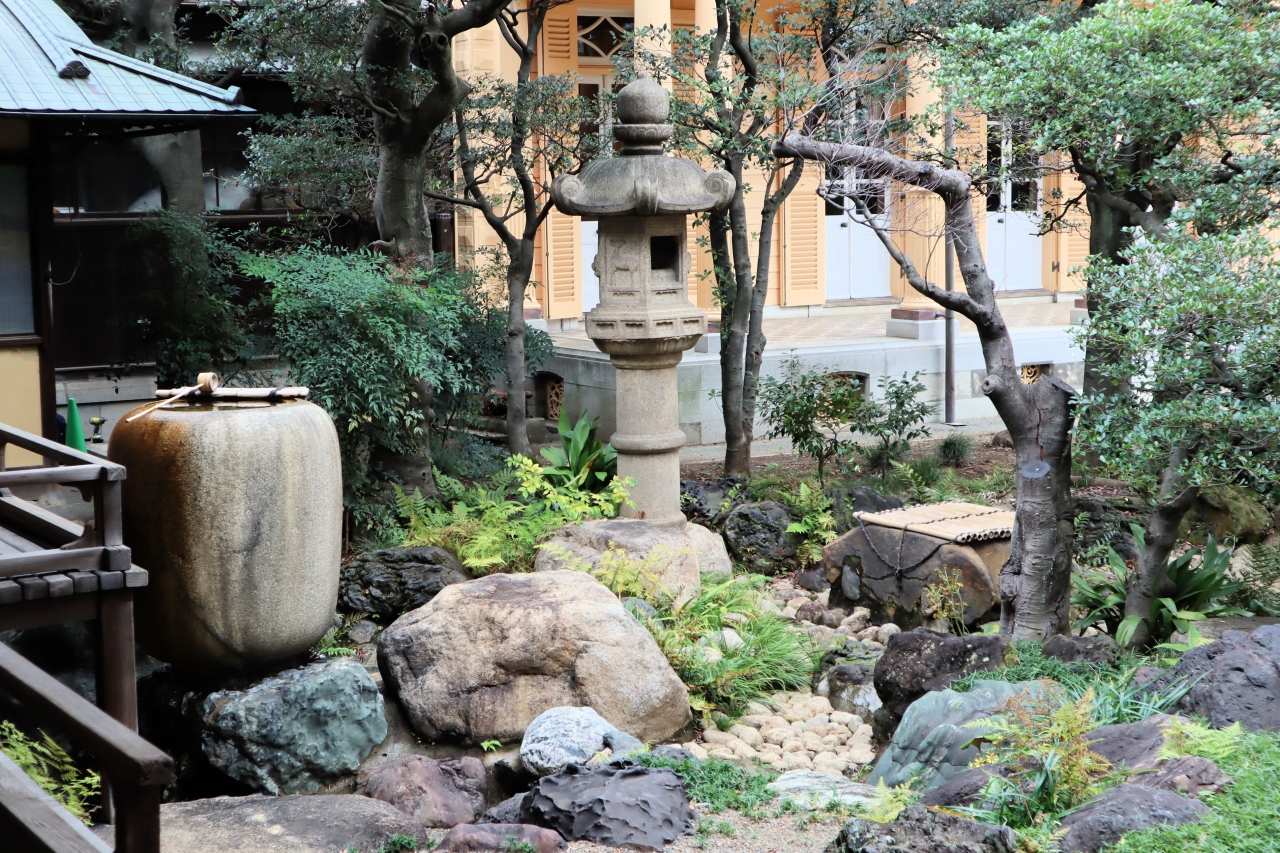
column 1073, row 240
column 562, row 236
column 916, row 216
column 804, row 242
column 560, row 35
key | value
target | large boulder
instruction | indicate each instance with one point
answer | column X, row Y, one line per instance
column 916, row 662
column 296, row 731
column 846, row 677
column 670, row 555
column 930, row 742
column 562, row 736
column 434, row 793
column 260, row 824
column 709, row 503
column 757, row 536
column 484, row 658
column 500, row 838
column 612, row 805
column 1237, row 680
column 713, row 554
column 396, row 580
column 1125, row 808
column 889, row 571
column 921, row 830
column 815, row 790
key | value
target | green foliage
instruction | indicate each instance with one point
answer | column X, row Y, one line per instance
column 955, row 450
column 192, row 322
column 516, row 845
column 1244, row 817
column 1038, row 737
column 52, row 769
column 500, row 529
column 944, row 600
column 582, row 461
column 400, row 843
column 893, row 420
column 774, row 654
column 890, row 802
column 1259, row 582
column 812, row 408
column 491, row 745
column 1101, row 598
column 1191, row 328
column 332, row 644
column 625, row 576
column 370, row 340
column 1200, row 589
column 816, row 526
column 924, row 481
column 720, row 784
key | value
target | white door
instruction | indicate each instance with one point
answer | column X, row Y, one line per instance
column 857, row 263
column 1013, row 218
column 590, row 281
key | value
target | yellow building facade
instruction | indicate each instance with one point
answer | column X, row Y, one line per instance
column 821, row 257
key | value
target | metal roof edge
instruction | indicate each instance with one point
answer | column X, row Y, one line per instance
column 229, row 96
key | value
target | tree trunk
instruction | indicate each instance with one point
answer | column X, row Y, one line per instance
column 518, row 273
column 1107, row 238
column 176, row 158
column 1150, row 582
column 733, row 355
column 398, row 204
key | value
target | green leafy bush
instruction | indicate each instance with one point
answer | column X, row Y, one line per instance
column 52, row 769
column 500, row 528
column 582, row 461
column 955, row 450
column 1259, row 582
column 720, row 784
column 812, row 408
column 893, row 420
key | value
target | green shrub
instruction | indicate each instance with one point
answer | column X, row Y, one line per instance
column 1259, row 582
column 893, row 420
column 582, row 461
column 816, row 524
column 52, row 769
column 812, row 408
column 719, row 784
column 955, row 450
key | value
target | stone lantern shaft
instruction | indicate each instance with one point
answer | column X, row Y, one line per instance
column 642, row 199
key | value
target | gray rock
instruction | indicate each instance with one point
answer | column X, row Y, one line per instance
column 499, row 838
column 814, row 581
column 362, row 632
column 1138, row 746
column 846, row 678
column 260, row 824
column 713, row 554
column 1213, row 629
column 1098, row 650
column 484, row 658
column 640, row 608
column 434, row 793
column 810, row 611
column 1126, row 808
column 709, row 503
column 295, row 731
column 670, row 553
column 507, row 811
column 756, row 534
column 562, row 736
column 613, row 805
column 847, row 500
column 916, row 662
column 396, row 580
column 622, row 744
column 673, row 753
column 1237, row 680
column 930, row 740
column 817, row 791
column 963, row 789
column 920, row 830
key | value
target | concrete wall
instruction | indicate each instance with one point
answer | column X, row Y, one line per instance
column 589, row 382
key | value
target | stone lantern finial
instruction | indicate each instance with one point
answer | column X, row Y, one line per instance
column 644, row 321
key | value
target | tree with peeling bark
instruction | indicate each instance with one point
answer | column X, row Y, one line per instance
column 1153, row 106
column 1191, row 329
column 512, row 140
column 392, row 59
column 1035, row 581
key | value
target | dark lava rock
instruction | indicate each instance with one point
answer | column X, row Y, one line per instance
column 612, row 805
column 1134, row 745
column 507, row 811
column 846, row 500
column 814, row 581
column 499, row 838
column 757, row 536
column 1100, row 649
column 919, row 830
column 1109, row 520
column 394, row 581
column 709, row 503
column 1126, row 808
column 1238, row 680
column 916, row 662
column 961, row 790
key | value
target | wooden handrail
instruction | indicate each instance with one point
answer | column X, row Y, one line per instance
column 60, row 452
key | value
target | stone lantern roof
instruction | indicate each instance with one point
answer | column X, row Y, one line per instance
column 642, row 181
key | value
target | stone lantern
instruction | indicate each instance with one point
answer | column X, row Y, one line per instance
column 644, row 321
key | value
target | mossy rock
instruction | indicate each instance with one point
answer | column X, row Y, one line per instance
column 1226, row 511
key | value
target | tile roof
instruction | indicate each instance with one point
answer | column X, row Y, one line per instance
column 49, row 67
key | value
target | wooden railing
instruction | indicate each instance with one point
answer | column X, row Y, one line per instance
column 102, row 546
column 136, row 770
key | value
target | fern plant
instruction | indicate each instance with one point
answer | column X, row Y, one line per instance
column 817, row 524
column 49, row 765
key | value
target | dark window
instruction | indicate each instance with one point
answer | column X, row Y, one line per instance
column 600, row 36
column 663, row 252
column 17, row 314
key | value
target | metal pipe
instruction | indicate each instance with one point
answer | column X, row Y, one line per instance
column 949, row 363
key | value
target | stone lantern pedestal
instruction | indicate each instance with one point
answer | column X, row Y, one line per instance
column 645, row 321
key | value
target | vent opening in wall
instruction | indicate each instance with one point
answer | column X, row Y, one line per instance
column 549, row 396
column 664, row 253
column 1032, row 372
